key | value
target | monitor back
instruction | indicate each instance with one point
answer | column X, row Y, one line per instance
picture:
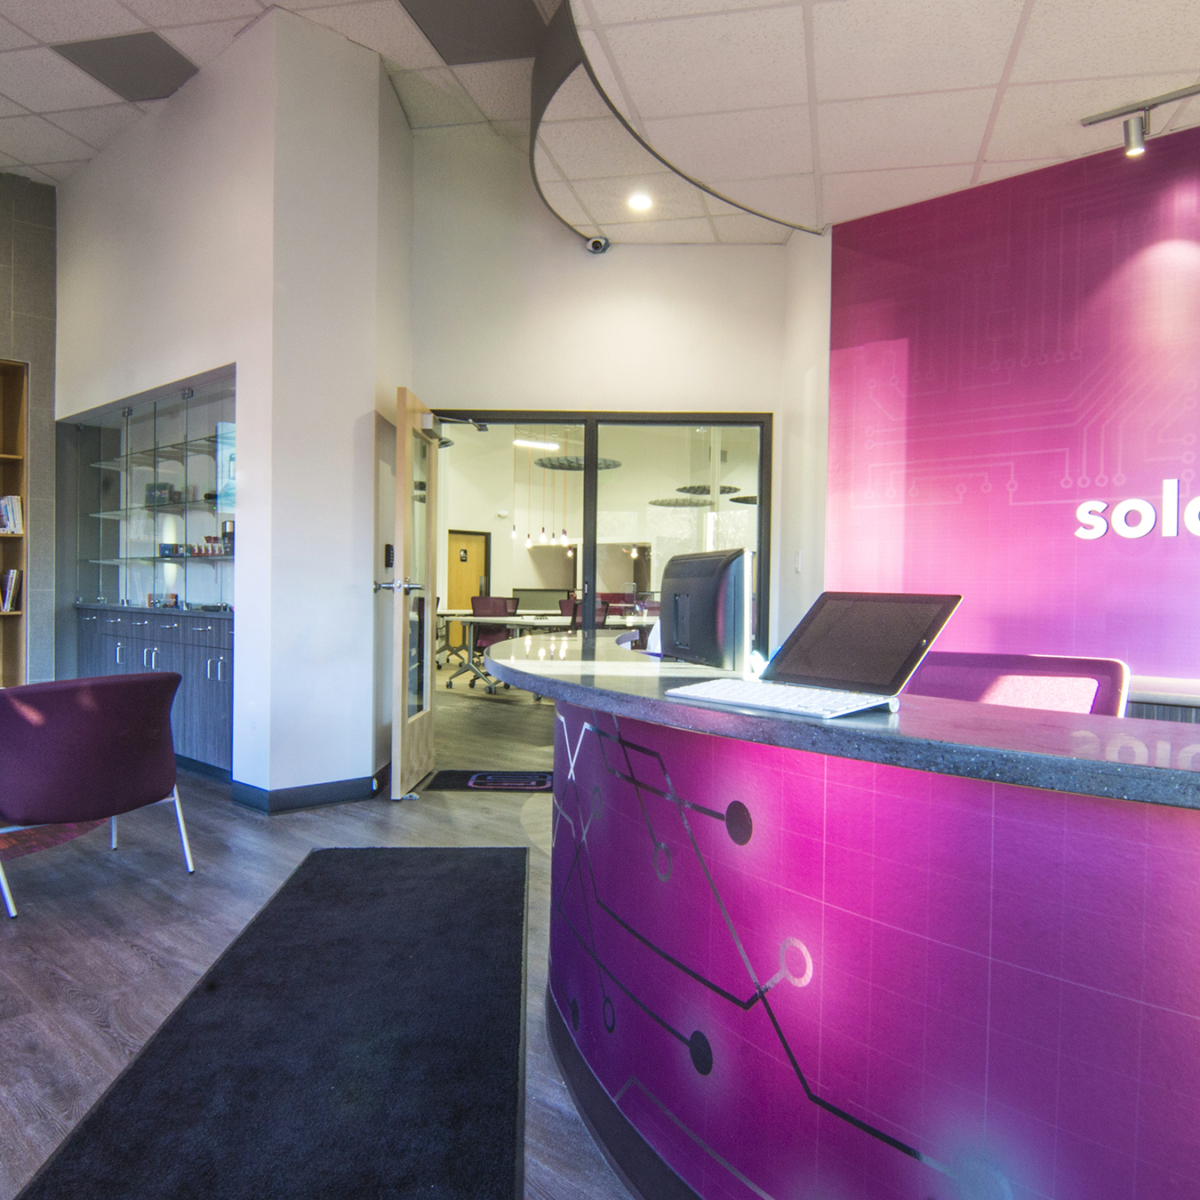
column 702, row 614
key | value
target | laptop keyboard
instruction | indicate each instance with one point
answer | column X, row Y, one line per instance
column 782, row 697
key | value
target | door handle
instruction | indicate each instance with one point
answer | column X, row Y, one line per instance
column 220, row 670
column 208, row 668
column 117, row 656
column 400, row 586
column 154, row 659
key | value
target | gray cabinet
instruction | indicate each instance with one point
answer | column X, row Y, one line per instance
column 199, row 646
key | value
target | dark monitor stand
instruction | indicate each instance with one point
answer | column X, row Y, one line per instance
column 703, row 614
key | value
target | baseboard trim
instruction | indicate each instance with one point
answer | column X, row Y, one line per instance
column 628, row 1153
column 312, row 795
column 202, row 768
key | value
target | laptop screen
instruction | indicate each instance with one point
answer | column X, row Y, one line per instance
column 861, row 641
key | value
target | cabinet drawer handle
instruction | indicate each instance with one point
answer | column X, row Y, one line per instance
column 119, row 660
column 220, row 670
column 154, row 659
column 208, row 668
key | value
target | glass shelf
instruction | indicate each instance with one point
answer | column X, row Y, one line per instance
column 183, row 506
column 144, row 473
column 174, row 452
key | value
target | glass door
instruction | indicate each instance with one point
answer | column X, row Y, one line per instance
column 414, row 610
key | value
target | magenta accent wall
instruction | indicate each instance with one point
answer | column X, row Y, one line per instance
column 1000, row 356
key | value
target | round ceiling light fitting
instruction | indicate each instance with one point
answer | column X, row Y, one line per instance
column 640, row 202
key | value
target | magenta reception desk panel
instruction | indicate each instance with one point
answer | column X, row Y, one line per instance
column 801, row 976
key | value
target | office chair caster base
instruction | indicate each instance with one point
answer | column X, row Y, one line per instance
column 507, row 686
column 491, row 691
column 471, row 683
column 449, row 683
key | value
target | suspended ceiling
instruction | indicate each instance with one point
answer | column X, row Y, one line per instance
column 808, row 113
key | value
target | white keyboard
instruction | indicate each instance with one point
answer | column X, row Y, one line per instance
column 782, row 697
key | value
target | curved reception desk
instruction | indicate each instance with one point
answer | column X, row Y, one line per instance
column 951, row 953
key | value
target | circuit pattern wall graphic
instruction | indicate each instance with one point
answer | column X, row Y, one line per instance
column 724, row 1011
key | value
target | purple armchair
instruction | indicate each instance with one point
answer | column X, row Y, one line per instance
column 80, row 751
column 1049, row 681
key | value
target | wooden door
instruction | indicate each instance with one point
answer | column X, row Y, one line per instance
column 414, row 610
column 468, row 565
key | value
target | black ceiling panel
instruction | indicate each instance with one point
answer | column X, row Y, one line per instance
column 471, row 31
column 137, row 66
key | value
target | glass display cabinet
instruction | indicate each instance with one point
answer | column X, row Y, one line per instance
column 157, row 498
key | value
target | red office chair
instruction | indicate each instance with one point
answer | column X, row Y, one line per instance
column 576, row 610
column 78, row 752
column 1047, row 681
column 489, row 635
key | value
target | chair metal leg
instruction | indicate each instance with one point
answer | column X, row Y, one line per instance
column 112, row 833
column 183, row 837
column 8, row 900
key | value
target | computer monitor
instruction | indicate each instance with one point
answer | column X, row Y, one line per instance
column 703, row 614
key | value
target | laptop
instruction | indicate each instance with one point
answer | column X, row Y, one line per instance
column 852, row 652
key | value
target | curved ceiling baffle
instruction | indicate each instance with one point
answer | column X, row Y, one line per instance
column 587, row 161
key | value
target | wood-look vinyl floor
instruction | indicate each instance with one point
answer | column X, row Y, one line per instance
column 107, row 944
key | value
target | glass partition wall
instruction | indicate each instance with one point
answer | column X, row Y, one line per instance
column 541, row 506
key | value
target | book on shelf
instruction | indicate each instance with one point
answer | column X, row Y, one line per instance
column 10, row 590
column 11, row 519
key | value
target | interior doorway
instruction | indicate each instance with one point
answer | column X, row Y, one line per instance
column 468, row 572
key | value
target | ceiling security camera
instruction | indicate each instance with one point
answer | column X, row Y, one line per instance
column 597, row 245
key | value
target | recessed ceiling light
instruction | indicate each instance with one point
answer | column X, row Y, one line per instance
column 527, row 444
column 639, row 202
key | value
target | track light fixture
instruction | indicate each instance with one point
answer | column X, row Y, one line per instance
column 1136, row 129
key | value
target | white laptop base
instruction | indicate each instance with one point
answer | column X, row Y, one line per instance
column 783, row 697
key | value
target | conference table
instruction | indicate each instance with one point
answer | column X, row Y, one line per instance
column 526, row 623
column 950, row 951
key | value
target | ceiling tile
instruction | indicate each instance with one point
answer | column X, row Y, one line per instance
column 5, row 161
column 737, row 145
column 500, row 89
column 471, row 31
column 433, row 98
column 304, row 5
column 599, row 63
column 514, row 132
column 1079, row 39
column 563, row 200
column 9, row 109
column 1041, row 120
column 43, row 81
column 712, row 64
column 383, row 26
column 595, row 149
column 608, row 11
column 192, row 12
column 929, row 47
column 864, row 192
column 607, row 199
column 689, row 232
column 35, row 140
column 992, row 171
column 576, row 99
column 547, row 8
column 69, row 20
column 903, row 131
column 11, row 38
column 543, row 165
column 785, row 197
column 136, row 66
column 204, row 43
column 745, row 230
column 59, row 172
column 98, row 126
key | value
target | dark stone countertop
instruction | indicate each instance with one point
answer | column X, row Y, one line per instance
column 1123, row 758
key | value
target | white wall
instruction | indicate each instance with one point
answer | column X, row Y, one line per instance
column 261, row 217
column 802, row 436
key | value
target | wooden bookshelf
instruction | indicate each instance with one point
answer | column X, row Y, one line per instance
column 14, row 388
